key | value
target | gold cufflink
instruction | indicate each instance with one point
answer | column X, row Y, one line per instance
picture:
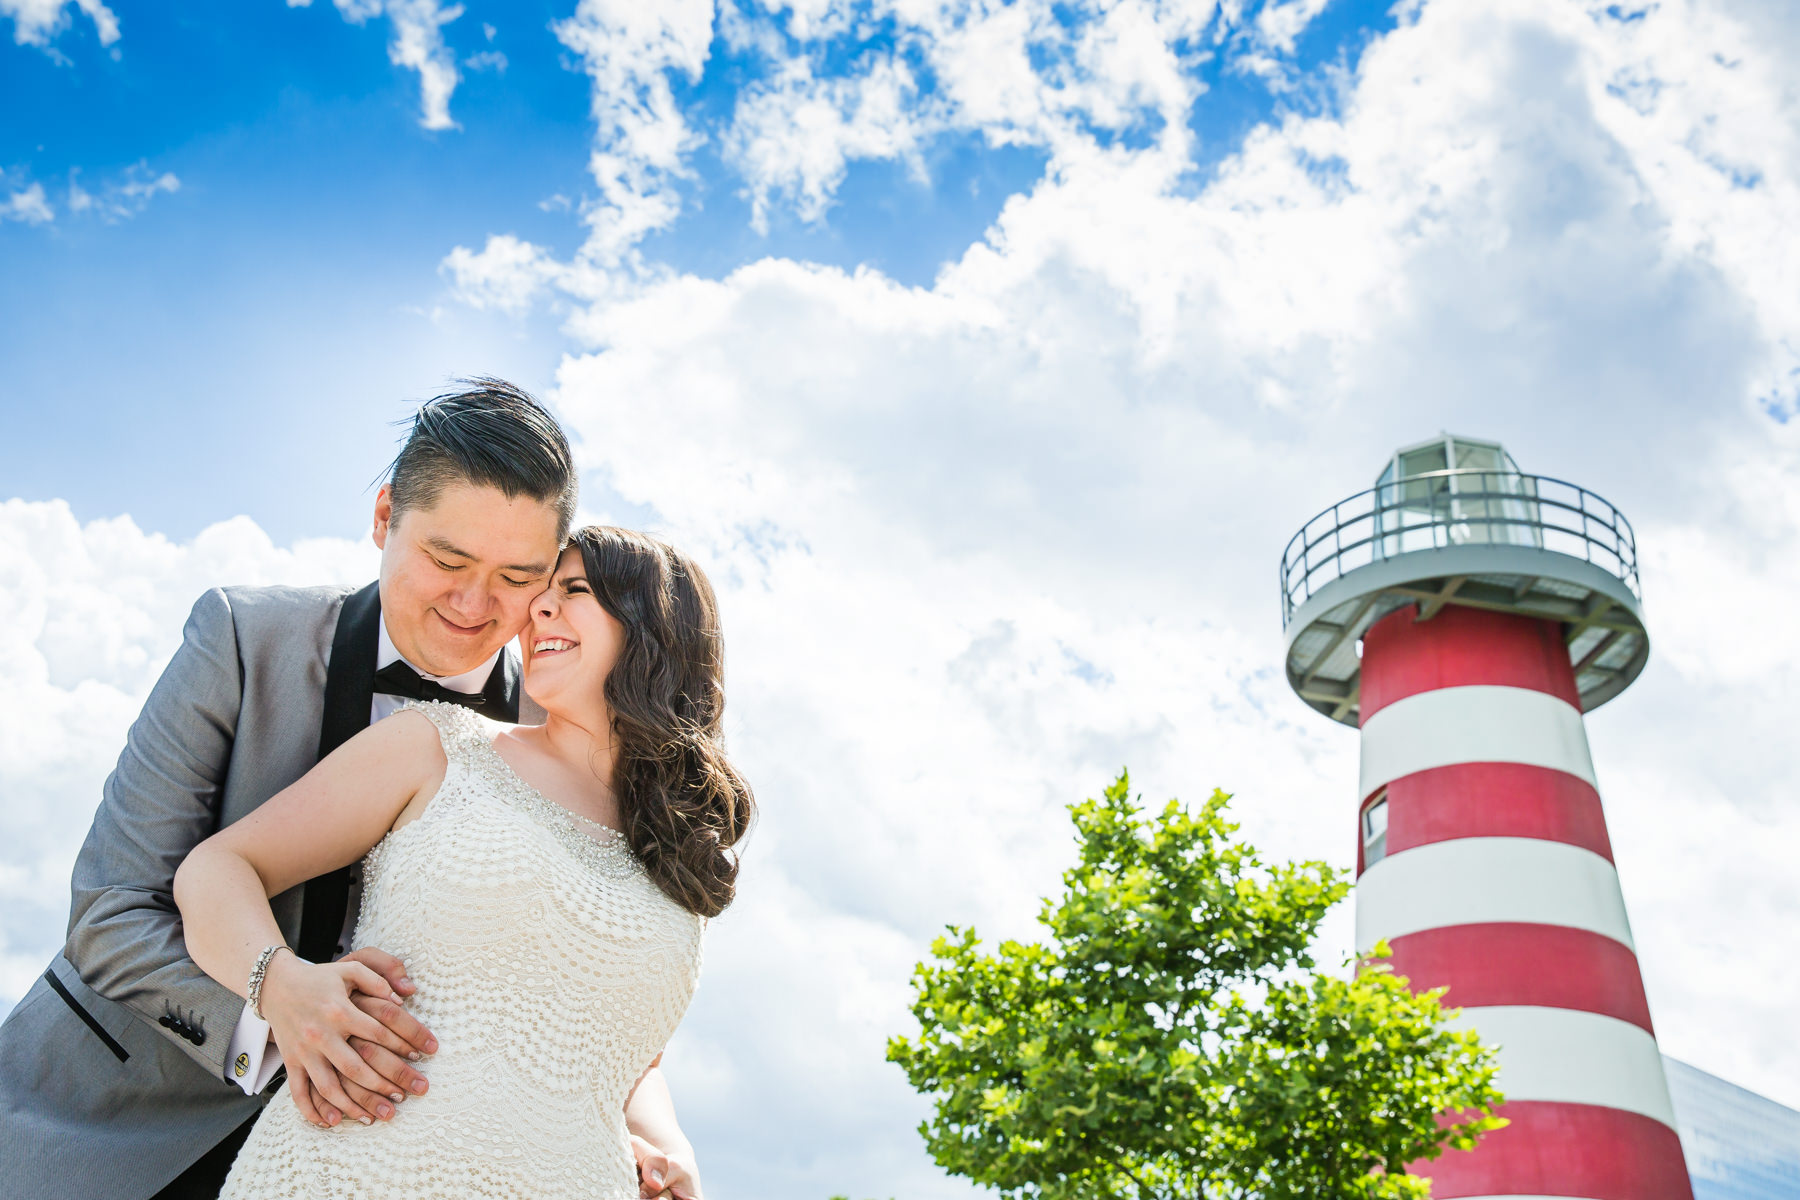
column 242, row 1065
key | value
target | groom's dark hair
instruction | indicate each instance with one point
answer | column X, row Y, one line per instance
column 491, row 433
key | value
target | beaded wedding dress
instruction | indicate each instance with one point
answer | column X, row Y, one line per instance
column 550, row 968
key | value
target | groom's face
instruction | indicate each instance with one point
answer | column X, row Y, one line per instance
column 458, row 578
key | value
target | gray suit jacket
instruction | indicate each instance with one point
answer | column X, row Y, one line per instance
column 112, row 1067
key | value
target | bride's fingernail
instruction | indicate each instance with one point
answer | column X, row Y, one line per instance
column 366, row 1120
column 418, row 1085
column 414, row 1055
column 396, row 1097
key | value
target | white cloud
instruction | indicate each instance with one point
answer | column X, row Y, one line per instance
column 418, row 45
column 507, row 274
column 1701, row 758
column 27, row 205
column 1279, row 24
column 796, row 134
column 1063, row 77
column 40, row 22
column 989, row 539
column 121, row 198
column 125, row 196
column 141, row 185
column 94, row 611
column 1070, row 78
column 416, row 42
column 629, row 50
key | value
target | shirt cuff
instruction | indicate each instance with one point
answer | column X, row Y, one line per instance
column 248, row 1062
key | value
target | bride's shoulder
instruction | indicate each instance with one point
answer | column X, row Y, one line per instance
column 428, row 729
column 456, row 729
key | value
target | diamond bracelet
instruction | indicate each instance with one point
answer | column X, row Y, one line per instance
column 256, row 979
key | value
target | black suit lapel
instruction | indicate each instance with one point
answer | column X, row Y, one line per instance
column 349, row 690
column 350, row 677
column 502, row 690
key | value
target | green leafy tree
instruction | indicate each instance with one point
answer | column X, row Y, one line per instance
column 1173, row 1040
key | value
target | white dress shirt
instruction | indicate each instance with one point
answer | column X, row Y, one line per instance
column 248, row 1062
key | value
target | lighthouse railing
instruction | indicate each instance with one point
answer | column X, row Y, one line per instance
column 1454, row 508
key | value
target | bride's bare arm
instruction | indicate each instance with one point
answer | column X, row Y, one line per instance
column 665, row 1157
column 327, row 819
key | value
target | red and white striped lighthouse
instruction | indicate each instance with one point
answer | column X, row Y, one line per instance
column 1464, row 615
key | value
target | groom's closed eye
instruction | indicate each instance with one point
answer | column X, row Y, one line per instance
column 518, row 583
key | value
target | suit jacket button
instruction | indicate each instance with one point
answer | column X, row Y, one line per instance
column 166, row 1021
column 199, row 1036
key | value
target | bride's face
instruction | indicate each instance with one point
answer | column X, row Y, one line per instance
column 572, row 642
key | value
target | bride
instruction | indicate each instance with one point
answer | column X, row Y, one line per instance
column 546, row 887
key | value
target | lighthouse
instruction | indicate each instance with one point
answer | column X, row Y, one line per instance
column 1463, row 616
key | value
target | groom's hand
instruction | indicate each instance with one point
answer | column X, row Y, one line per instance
column 391, row 1065
column 317, row 1011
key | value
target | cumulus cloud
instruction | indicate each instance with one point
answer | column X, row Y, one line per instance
column 1070, row 78
column 796, row 135
column 93, row 613
column 630, row 51
column 416, row 42
column 41, row 22
column 990, row 539
column 507, row 273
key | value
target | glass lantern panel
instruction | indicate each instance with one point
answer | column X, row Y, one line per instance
column 1425, row 458
column 1492, row 503
column 1403, row 506
column 1472, row 457
column 1418, row 501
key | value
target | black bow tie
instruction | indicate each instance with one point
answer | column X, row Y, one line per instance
column 398, row 679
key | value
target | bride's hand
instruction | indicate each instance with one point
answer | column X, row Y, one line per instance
column 667, row 1175
column 312, row 1014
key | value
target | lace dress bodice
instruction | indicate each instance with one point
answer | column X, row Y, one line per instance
column 552, row 971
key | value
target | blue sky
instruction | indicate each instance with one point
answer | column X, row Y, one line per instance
column 237, row 345
column 986, row 355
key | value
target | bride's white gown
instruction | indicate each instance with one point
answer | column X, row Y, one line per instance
column 550, row 968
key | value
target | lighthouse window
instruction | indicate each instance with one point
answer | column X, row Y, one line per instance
column 1425, row 458
column 1475, row 457
column 1374, row 832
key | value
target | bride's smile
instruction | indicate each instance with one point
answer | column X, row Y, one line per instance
column 571, row 644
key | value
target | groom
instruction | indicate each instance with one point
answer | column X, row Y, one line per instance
column 125, row 1072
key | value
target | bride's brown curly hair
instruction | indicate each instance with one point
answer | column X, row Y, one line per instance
column 682, row 804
